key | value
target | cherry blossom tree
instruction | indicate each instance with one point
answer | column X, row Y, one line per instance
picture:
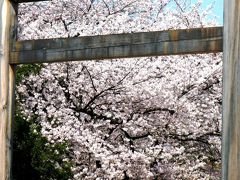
column 138, row 118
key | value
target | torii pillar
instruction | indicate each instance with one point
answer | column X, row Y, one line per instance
column 7, row 76
column 231, row 91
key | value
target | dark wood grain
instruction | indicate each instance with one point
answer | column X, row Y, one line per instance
column 174, row 42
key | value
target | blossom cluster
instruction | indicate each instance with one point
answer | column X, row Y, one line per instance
column 141, row 118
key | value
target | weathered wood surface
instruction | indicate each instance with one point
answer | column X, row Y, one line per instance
column 173, row 42
column 7, row 21
column 231, row 92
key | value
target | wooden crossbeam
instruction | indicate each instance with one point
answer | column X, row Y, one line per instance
column 159, row 43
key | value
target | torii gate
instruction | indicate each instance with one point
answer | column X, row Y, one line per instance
column 190, row 41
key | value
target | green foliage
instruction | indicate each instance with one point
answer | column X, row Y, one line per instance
column 34, row 158
column 27, row 69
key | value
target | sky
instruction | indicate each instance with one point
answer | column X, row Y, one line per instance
column 217, row 10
